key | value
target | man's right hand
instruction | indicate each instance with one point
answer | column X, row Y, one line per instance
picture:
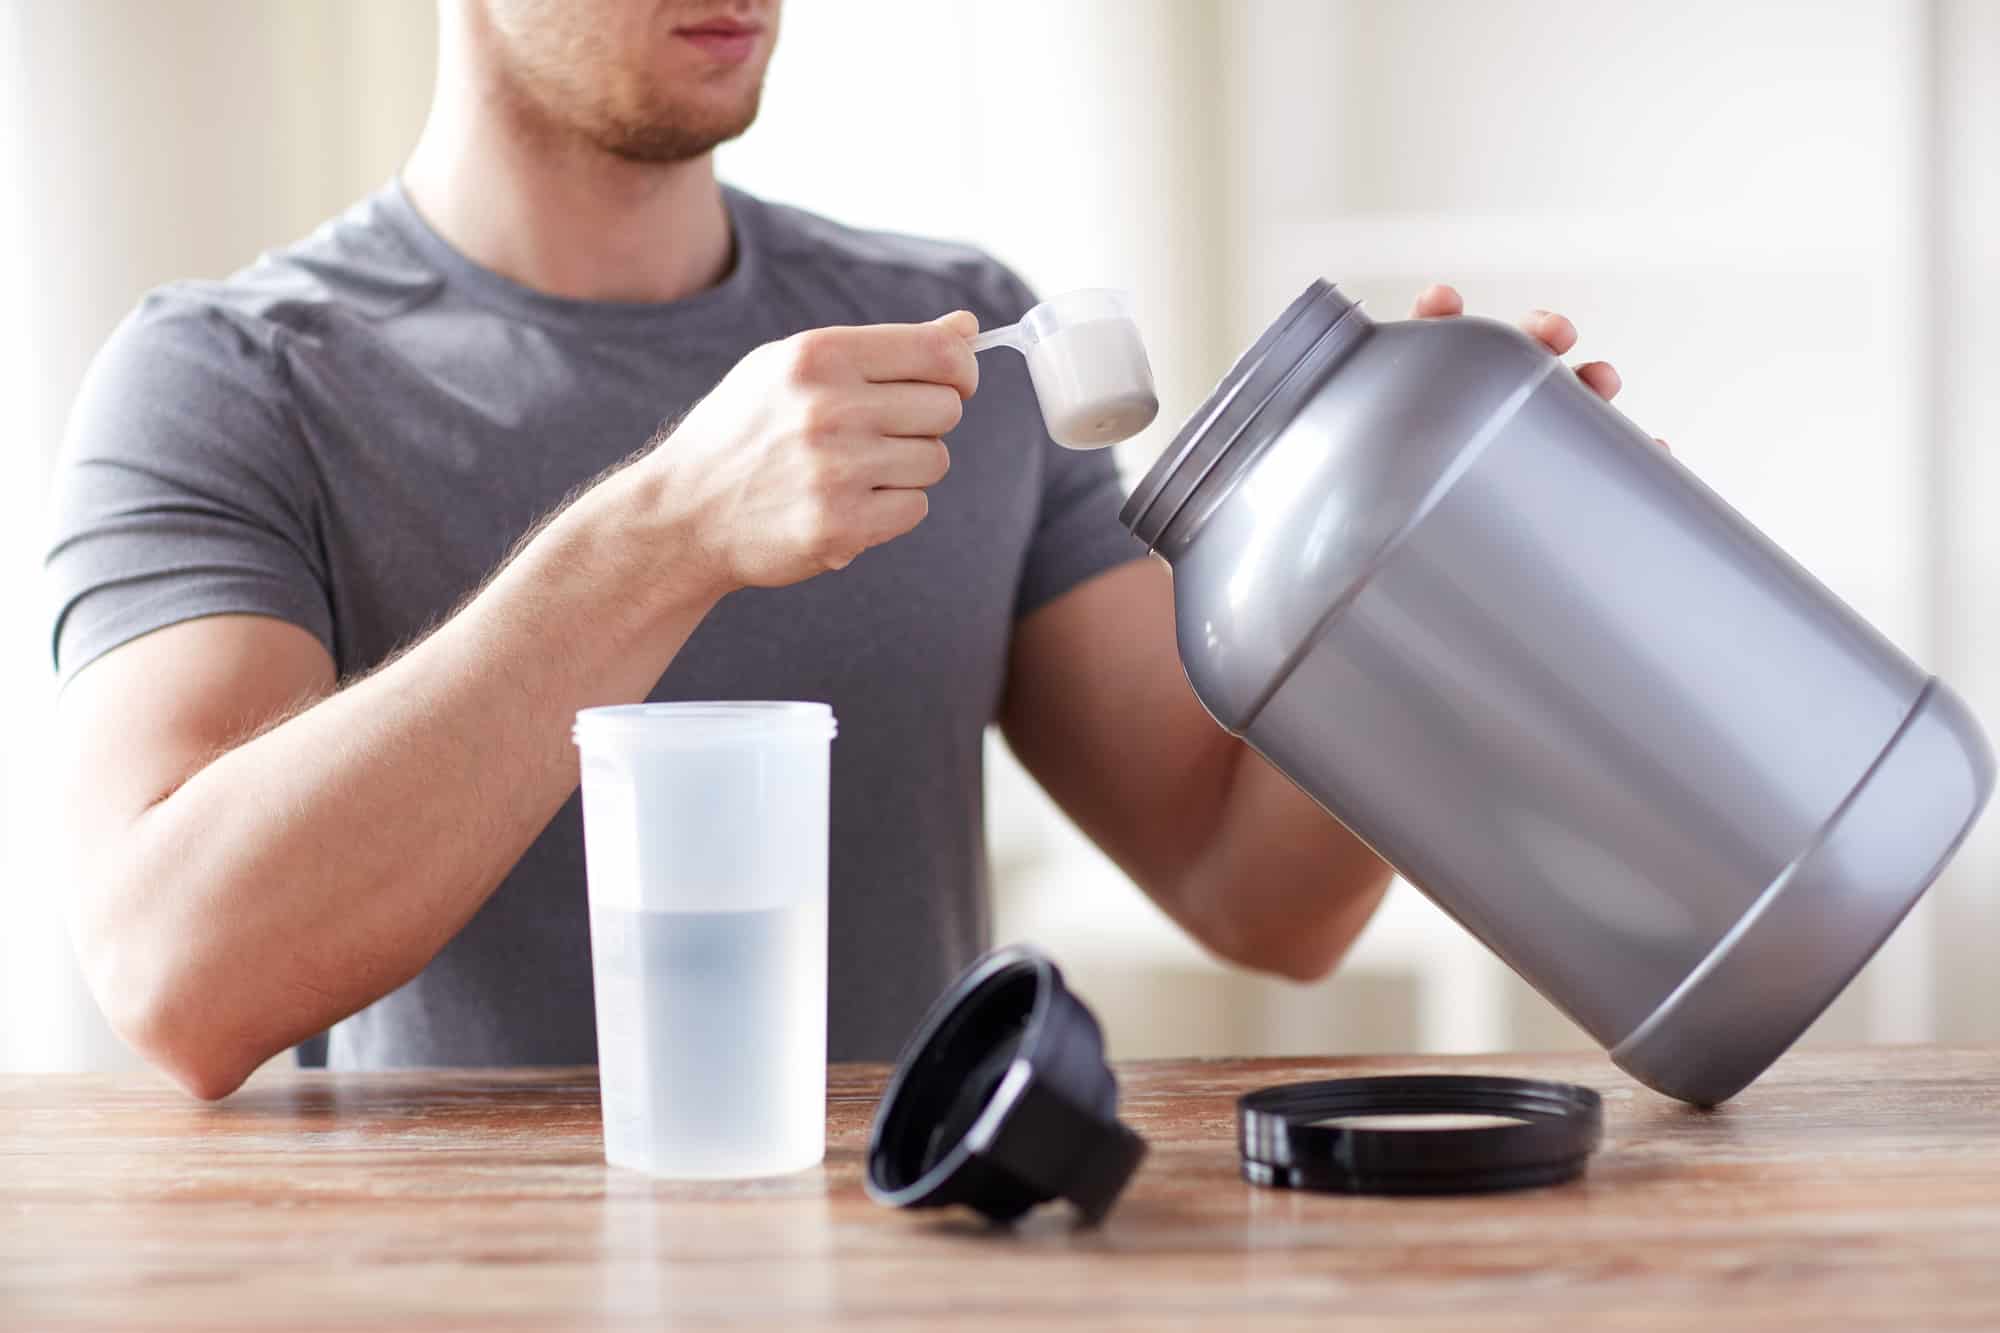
column 809, row 452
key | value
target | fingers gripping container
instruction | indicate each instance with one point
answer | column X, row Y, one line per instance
column 1556, row 682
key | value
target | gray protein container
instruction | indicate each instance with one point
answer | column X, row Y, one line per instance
column 1556, row 682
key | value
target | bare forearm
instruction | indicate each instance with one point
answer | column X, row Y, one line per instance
column 1279, row 884
column 343, row 847
column 1101, row 712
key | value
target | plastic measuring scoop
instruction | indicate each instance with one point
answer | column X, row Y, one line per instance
column 1088, row 366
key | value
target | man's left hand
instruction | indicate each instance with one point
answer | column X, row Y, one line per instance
column 1552, row 330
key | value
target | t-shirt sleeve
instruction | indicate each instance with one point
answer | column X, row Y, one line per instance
column 183, row 488
column 1077, row 533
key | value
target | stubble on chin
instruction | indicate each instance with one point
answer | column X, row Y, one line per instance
column 674, row 134
column 553, row 99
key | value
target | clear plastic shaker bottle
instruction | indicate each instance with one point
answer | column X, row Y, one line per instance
column 705, row 837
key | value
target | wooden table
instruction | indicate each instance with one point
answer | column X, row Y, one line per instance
column 1850, row 1188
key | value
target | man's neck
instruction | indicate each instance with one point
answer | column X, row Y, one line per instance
column 565, row 217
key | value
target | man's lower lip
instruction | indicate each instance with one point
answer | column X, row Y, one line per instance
column 729, row 47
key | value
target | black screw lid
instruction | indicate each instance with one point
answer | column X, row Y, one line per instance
column 1002, row 1100
column 1286, row 1141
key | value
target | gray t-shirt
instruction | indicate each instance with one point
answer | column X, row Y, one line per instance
column 350, row 434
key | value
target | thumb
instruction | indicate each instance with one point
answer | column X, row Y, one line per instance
column 962, row 322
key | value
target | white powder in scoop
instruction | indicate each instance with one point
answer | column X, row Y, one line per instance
column 1093, row 382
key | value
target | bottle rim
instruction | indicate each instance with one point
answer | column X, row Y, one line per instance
column 699, row 722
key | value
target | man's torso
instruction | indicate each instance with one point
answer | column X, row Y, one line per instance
column 439, row 411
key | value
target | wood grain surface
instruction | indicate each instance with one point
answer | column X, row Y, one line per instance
column 1847, row 1189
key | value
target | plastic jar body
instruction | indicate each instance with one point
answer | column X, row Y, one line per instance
column 1562, row 687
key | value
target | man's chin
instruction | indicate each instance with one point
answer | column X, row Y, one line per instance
column 679, row 139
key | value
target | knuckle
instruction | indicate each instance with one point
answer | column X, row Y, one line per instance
column 821, row 418
column 946, row 351
column 822, row 473
column 823, row 532
column 809, row 356
column 910, row 509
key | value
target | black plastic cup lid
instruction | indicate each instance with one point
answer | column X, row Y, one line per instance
column 1002, row 1100
column 1287, row 1141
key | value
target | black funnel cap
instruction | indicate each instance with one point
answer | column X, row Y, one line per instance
column 1002, row 1100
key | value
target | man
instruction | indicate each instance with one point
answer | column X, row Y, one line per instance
column 316, row 715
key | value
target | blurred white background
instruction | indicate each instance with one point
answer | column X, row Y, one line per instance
column 1782, row 220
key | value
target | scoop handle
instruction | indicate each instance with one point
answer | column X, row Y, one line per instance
column 1008, row 335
